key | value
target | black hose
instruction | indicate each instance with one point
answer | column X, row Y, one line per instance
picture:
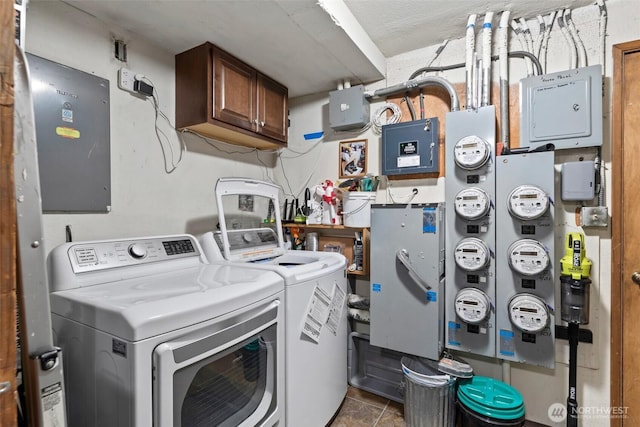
column 514, row 54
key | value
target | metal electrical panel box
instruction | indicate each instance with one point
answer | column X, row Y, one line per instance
column 563, row 109
column 471, row 229
column 410, row 147
column 525, row 258
column 71, row 111
column 348, row 108
column 407, row 278
column 578, row 180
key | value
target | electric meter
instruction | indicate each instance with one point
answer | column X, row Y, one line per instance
column 472, row 203
column 472, row 305
column 471, row 152
column 528, row 313
column 528, row 202
column 472, row 254
column 528, row 257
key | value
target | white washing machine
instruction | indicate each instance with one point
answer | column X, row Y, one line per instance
column 315, row 296
column 154, row 336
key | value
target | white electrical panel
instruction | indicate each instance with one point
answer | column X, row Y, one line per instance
column 562, row 109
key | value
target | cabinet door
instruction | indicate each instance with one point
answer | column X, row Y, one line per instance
column 272, row 109
column 234, row 95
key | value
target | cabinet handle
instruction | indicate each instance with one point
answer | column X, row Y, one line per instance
column 255, row 121
column 262, row 124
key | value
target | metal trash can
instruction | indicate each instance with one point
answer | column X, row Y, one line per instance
column 429, row 396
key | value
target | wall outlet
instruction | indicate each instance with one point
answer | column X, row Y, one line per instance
column 126, row 78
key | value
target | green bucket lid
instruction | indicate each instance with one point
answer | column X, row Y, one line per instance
column 491, row 398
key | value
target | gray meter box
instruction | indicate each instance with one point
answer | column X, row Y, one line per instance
column 563, row 109
column 71, row 111
column 410, row 147
column 348, row 108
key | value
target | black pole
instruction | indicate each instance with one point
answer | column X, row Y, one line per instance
column 572, row 403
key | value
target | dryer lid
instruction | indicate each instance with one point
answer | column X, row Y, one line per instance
column 142, row 307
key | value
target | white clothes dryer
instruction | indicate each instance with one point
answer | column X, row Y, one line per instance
column 154, row 336
column 315, row 296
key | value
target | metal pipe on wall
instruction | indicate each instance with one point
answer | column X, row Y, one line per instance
column 486, row 59
column 503, row 54
column 469, row 60
column 418, row 83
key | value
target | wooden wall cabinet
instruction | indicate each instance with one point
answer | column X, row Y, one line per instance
column 221, row 97
column 329, row 234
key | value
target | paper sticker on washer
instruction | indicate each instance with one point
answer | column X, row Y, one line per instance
column 53, row 409
column 336, row 309
column 317, row 313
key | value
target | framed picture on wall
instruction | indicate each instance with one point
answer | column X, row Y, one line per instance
column 353, row 158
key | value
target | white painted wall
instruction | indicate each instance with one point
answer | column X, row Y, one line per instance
column 540, row 387
column 145, row 200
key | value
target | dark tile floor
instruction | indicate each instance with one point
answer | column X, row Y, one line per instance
column 363, row 409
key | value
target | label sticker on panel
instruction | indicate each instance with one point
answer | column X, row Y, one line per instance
column 429, row 220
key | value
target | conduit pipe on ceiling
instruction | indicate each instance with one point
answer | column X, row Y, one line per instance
column 582, row 51
column 565, row 32
column 469, row 60
column 486, row 59
column 526, row 33
column 541, row 30
column 516, row 29
column 418, row 83
column 503, row 55
column 545, row 40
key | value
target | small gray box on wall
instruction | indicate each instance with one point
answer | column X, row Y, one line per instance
column 348, row 108
column 578, row 180
column 71, row 111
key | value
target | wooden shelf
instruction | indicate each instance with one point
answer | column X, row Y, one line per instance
column 339, row 234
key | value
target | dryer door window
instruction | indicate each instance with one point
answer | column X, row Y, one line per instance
column 229, row 385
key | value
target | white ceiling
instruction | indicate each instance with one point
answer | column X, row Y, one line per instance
column 308, row 45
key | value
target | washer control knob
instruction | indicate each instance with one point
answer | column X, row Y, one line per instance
column 247, row 237
column 137, row 251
